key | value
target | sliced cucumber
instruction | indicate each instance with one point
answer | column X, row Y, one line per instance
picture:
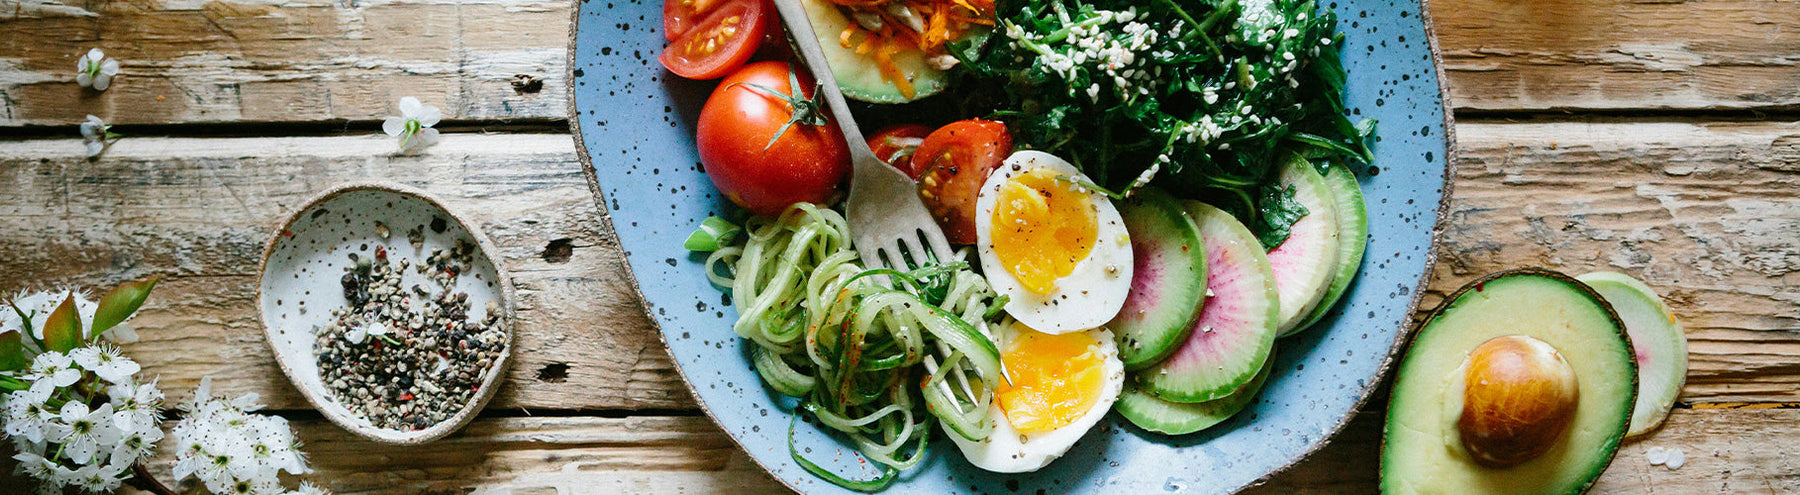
column 1353, row 233
column 1305, row 262
column 858, row 74
column 1168, row 279
column 1175, row 418
column 1236, row 328
column 1657, row 341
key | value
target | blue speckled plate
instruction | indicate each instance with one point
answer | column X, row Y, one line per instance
column 635, row 130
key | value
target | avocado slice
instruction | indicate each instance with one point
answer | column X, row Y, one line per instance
column 858, row 75
column 1425, row 449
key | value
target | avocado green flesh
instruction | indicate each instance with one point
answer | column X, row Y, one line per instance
column 1657, row 341
column 858, row 74
column 1175, row 418
column 1353, row 233
column 1421, row 452
column 1168, row 279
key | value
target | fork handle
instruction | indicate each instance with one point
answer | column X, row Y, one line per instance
column 793, row 15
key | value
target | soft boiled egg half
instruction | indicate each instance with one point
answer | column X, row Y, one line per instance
column 1057, row 388
column 1058, row 251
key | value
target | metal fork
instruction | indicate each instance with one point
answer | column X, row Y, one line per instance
column 884, row 210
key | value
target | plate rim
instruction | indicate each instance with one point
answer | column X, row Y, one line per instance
column 507, row 301
column 1363, row 396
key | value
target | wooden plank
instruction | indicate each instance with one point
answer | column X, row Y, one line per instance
column 1728, row 451
column 320, row 60
column 199, row 211
column 284, row 61
column 1704, row 212
column 1620, row 54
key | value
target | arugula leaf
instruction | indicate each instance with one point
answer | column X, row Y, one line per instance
column 1218, row 91
column 1275, row 216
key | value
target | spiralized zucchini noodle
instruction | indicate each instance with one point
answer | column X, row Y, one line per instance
column 863, row 349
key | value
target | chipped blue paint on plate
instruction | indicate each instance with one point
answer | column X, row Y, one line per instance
column 635, row 127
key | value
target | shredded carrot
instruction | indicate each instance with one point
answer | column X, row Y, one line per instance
column 943, row 21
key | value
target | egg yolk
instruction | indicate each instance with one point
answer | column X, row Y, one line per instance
column 1052, row 379
column 1042, row 226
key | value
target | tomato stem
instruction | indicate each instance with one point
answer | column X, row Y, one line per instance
column 801, row 110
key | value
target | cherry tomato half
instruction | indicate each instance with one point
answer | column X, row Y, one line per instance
column 953, row 162
column 805, row 163
column 721, row 43
column 681, row 15
column 895, row 144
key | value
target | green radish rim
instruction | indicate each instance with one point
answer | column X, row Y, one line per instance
column 1155, row 321
column 1304, row 263
column 1353, row 233
column 1243, row 294
column 1653, row 326
column 1175, row 418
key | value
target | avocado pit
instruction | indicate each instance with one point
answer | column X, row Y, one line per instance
column 1519, row 396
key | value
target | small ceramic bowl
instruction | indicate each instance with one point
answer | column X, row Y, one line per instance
column 302, row 269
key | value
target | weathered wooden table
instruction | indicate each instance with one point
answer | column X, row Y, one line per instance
column 1656, row 138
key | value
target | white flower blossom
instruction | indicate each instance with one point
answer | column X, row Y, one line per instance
column 54, row 368
column 232, row 450
column 97, row 136
column 106, row 362
column 94, row 70
column 60, row 440
column 413, row 126
column 87, row 431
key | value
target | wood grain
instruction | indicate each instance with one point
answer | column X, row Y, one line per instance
column 1704, row 212
column 1620, row 54
column 1728, row 451
column 199, row 211
column 284, row 61
column 190, row 61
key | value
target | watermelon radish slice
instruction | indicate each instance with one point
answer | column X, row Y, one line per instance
column 1353, row 233
column 1174, row 418
column 1168, row 279
column 1236, row 329
column 1305, row 262
column 1657, row 340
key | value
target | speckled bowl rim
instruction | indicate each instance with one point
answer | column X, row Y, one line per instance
column 1400, row 338
column 482, row 245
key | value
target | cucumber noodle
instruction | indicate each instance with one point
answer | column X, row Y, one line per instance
column 862, row 347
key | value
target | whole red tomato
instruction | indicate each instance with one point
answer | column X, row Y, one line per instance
column 756, row 168
column 951, row 164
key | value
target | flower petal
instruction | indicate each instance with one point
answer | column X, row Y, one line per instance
column 409, row 107
column 84, row 79
column 109, row 67
column 393, row 126
column 90, row 132
column 102, row 81
column 427, row 137
column 94, row 148
column 95, row 54
column 430, row 115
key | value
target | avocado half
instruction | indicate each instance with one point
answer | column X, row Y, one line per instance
column 1422, row 447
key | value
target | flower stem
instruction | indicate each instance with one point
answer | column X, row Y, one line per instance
column 142, row 480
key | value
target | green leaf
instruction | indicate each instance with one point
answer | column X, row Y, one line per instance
column 121, row 303
column 1277, row 210
column 12, row 351
column 62, row 330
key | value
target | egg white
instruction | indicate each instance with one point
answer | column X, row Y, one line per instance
column 1092, row 293
column 1005, row 450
